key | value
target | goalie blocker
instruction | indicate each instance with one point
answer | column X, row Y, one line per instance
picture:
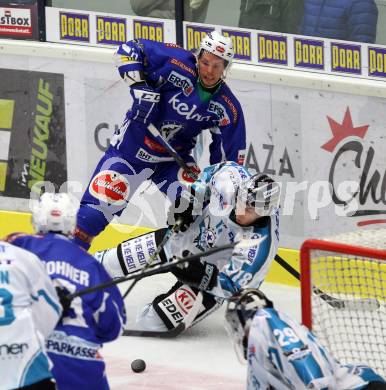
column 169, row 309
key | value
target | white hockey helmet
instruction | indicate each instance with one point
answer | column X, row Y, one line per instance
column 218, row 45
column 241, row 309
column 55, row 213
column 260, row 192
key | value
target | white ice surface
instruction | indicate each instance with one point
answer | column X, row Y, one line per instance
column 202, row 358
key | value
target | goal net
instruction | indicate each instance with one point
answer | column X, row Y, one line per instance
column 343, row 287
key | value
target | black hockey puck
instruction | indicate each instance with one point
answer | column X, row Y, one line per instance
column 138, row 365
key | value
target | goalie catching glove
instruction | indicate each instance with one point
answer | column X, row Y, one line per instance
column 199, row 274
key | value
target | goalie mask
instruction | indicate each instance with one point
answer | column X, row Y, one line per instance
column 55, row 213
column 241, row 309
column 218, row 45
column 260, row 192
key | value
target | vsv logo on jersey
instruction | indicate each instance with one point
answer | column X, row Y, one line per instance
column 219, row 110
column 179, row 80
column 183, row 109
column 169, row 129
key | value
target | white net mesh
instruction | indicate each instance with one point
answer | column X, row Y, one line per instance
column 348, row 303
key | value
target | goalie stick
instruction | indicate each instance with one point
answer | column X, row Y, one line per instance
column 167, row 334
column 370, row 304
column 159, row 268
column 182, row 326
column 156, row 269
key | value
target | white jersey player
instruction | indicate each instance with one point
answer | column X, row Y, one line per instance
column 29, row 311
column 225, row 205
column 87, row 321
column 283, row 354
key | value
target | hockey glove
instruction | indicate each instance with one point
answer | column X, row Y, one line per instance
column 181, row 212
column 145, row 103
column 199, row 274
column 63, row 298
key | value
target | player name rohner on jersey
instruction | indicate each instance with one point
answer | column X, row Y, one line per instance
column 66, row 269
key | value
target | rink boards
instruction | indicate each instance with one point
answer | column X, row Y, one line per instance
column 11, row 222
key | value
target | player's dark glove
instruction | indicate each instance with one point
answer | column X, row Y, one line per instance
column 145, row 103
column 181, row 212
column 63, row 298
column 200, row 274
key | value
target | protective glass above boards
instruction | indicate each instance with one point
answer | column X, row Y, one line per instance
column 344, row 20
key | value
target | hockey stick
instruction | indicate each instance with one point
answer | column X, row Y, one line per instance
column 337, row 303
column 159, row 249
column 173, row 153
column 167, row 334
column 160, row 268
column 188, row 320
column 353, row 304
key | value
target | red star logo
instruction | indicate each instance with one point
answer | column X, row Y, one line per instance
column 341, row 131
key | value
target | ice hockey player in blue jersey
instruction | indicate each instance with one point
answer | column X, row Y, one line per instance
column 226, row 204
column 90, row 320
column 181, row 94
column 284, row 355
column 29, row 311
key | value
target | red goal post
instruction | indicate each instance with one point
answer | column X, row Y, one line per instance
column 343, row 295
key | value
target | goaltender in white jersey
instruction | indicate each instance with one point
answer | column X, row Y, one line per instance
column 225, row 205
column 282, row 354
column 29, row 311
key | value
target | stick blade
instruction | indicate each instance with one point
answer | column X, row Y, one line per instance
column 365, row 304
column 168, row 334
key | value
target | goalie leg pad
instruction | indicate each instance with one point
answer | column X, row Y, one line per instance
column 136, row 253
column 174, row 306
column 132, row 255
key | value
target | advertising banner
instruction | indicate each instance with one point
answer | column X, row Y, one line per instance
column 346, row 164
column 104, row 29
column 19, row 21
column 32, row 131
column 324, row 147
column 296, row 52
